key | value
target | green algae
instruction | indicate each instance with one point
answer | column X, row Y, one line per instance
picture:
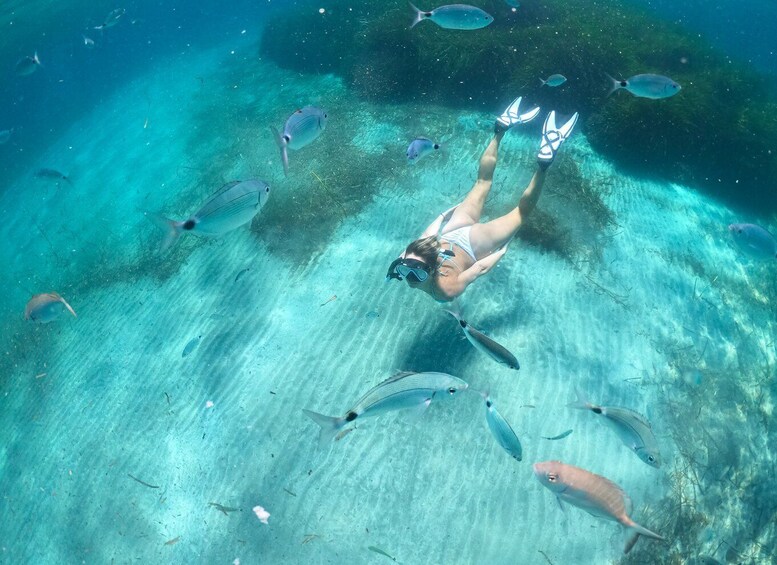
column 718, row 132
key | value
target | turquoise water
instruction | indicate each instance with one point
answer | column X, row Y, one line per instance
column 114, row 445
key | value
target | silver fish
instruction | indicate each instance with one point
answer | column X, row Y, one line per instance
column 486, row 345
column 454, row 16
column 52, row 174
column 27, row 65
column 45, row 308
column 191, row 346
column 301, row 129
column 650, row 86
column 595, row 494
column 112, row 18
column 554, row 80
column 754, row 240
column 234, row 204
column 88, row 42
column 5, row 136
column 502, row 431
column 420, row 147
column 632, row 428
column 403, row 390
column 562, row 435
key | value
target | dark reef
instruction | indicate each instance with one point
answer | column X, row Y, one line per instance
column 719, row 132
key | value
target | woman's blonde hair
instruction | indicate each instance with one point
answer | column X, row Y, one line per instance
column 428, row 249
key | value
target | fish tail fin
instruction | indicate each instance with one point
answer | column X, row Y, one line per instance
column 36, row 59
column 69, row 308
column 330, row 425
column 582, row 402
column 543, row 82
column 171, row 228
column 282, row 146
column 419, row 15
column 616, row 85
column 637, row 531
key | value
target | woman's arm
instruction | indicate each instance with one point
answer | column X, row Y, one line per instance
column 480, row 267
column 434, row 227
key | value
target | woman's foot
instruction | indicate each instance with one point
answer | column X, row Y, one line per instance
column 512, row 116
column 553, row 137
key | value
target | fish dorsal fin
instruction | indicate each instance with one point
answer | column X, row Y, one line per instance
column 608, row 410
column 226, row 187
column 397, row 376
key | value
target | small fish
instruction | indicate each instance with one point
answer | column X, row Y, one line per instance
column 554, row 80
column 241, row 273
column 27, row 65
column 650, row 86
column 632, row 428
column 234, row 204
column 372, row 314
column 380, row 552
column 223, row 509
column 5, row 136
column 454, row 16
column 595, row 494
column 420, row 147
column 191, row 346
column 403, row 390
column 52, row 174
column 502, row 431
column 45, row 308
column 173, row 541
column 88, row 42
column 754, row 240
column 301, row 129
column 559, row 436
column 111, row 19
column 486, row 345
column 328, row 300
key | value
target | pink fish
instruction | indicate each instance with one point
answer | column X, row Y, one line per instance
column 596, row 495
column 46, row 307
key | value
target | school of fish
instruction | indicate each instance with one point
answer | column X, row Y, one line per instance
column 237, row 203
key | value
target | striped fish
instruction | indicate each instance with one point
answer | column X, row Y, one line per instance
column 502, row 431
column 234, row 204
column 46, row 307
column 301, row 129
column 485, row 344
column 404, row 390
column 595, row 494
column 633, row 429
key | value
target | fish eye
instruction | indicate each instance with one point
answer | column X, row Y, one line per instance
column 267, row 189
column 552, row 477
column 452, row 390
column 739, row 230
column 651, row 458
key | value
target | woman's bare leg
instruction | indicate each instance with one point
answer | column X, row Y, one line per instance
column 470, row 209
column 485, row 238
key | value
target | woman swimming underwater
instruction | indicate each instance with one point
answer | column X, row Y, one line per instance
column 456, row 248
